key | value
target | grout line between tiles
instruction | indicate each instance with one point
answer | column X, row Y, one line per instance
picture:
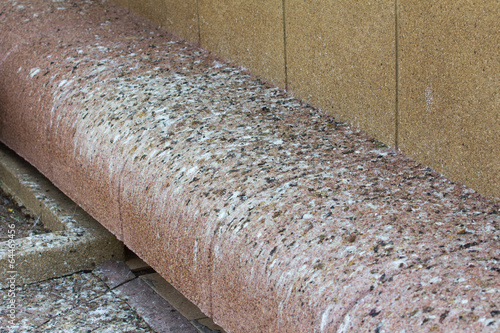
column 285, row 55
column 198, row 18
column 396, row 36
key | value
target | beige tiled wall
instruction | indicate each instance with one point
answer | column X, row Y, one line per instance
column 249, row 33
column 123, row 3
column 182, row 19
column 178, row 17
column 153, row 10
column 449, row 86
column 431, row 86
column 341, row 57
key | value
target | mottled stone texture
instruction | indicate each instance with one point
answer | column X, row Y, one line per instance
column 341, row 57
column 449, row 83
column 247, row 32
column 30, row 139
column 268, row 214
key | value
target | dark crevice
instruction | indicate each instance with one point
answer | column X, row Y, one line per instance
column 119, row 198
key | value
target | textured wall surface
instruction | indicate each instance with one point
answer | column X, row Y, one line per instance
column 183, row 19
column 154, row 10
column 178, row 17
column 247, row 32
column 123, row 3
column 449, row 88
column 341, row 57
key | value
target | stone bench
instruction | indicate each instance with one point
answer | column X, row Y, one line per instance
column 266, row 213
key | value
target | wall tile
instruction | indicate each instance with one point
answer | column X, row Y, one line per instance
column 449, row 88
column 177, row 17
column 249, row 33
column 123, row 3
column 341, row 57
column 154, row 10
column 182, row 19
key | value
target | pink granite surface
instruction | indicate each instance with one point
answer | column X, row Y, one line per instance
column 268, row 214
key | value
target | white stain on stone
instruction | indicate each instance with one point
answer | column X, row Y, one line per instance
column 429, row 99
column 34, row 71
column 325, row 317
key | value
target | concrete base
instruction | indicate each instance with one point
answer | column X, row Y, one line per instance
column 77, row 242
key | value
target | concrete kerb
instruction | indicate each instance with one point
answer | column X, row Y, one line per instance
column 76, row 241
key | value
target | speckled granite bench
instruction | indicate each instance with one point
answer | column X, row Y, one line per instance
column 266, row 213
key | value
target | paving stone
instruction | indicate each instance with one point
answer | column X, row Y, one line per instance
column 76, row 303
column 115, row 273
column 73, row 234
column 208, row 325
column 157, row 312
column 107, row 313
column 174, row 297
column 136, row 264
column 180, row 303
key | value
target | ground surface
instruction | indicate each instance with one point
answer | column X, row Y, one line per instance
column 110, row 298
column 80, row 302
column 11, row 213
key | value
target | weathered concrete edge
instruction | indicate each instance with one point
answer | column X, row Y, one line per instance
column 77, row 242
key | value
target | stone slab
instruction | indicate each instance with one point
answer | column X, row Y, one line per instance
column 136, row 264
column 178, row 17
column 154, row 10
column 440, row 112
column 79, row 301
column 77, row 242
column 181, row 303
column 115, row 273
column 174, row 297
column 123, row 3
column 143, row 297
column 157, row 312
